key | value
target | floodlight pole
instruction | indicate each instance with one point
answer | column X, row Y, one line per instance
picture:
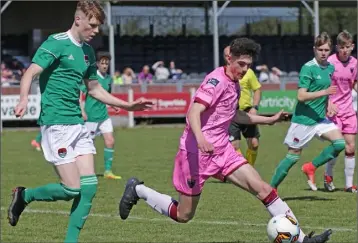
column 5, row 6
column 214, row 15
column 314, row 13
column 110, row 38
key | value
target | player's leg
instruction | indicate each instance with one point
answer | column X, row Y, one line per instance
column 81, row 207
column 349, row 162
column 328, row 174
column 106, row 129
column 56, row 143
column 235, row 136
column 298, row 136
column 248, row 179
column 36, row 143
column 329, row 131
column 186, row 180
column 252, row 135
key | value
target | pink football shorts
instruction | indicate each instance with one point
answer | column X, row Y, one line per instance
column 347, row 125
column 191, row 170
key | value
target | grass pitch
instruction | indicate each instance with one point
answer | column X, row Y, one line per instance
column 225, row 213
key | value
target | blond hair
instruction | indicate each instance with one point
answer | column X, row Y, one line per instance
column 344, row 38
column 322, row 39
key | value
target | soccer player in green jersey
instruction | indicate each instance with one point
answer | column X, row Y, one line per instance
column 309, row 118
column 63, row 61
column 95, row 114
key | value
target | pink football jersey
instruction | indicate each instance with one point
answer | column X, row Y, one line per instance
column 219, row 94
column 343, row 77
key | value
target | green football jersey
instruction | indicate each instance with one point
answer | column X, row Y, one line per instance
column 66, row 63
column 314, row 78
column 97, row 111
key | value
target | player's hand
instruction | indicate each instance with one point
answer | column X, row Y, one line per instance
column 279, row 116
column 332, row 109
column 21, row 107
column 331, row 90
column 253, row 111
column 140, row 105
column 204, row 146
column 116, row 109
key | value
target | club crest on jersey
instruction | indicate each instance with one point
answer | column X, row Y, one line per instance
column 87, row 60
column 213, row 81
column 352, row 70
column 191, row 182
column 62, row 152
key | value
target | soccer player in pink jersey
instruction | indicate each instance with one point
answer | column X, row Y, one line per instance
column 345, row 78
column 205, row 150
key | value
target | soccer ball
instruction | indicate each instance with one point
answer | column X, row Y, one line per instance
column 283, row 229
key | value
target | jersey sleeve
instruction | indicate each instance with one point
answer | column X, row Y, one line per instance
column 254, row 83
column 209, row 91
column 92, row 68
column 305, row 77
column 48, row 52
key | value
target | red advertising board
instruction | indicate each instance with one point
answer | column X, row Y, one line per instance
column 165, row 105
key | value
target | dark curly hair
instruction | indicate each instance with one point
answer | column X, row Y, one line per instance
column 244, row 46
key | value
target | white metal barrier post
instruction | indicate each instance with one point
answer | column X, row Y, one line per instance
column 130, row 113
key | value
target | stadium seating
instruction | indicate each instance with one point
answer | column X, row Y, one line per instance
column 193, row 54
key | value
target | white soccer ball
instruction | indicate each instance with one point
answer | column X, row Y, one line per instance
column 283, row 229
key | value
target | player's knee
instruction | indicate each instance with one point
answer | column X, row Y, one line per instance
column 350, row 148
column 89, row 187
column 109, row 142
column 185, row 217
column 236, row 144
column 339, row 145
column 70, row 193
column 254, row 144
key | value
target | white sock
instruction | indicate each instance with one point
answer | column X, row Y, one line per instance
column 349, row 165
column 277, row 206
column 329, row 166
column 160, row 202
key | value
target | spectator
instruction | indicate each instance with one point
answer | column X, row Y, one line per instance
column 18, row 68
column 117, row 78
column 161, row 72
column 128, row 76
column 6, row 75
column 267, row 76
column 145, row 76
column 174, row 72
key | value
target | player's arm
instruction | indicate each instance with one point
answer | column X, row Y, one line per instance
column 355, row 87
column 305, row 80
column 31, row 73
column 83, row 91
column 96, row 90
column 249, row 119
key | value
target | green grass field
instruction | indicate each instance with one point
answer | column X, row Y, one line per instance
column 225, row 213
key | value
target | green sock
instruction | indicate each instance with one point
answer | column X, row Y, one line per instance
column 108, row 158
column 330, row 152
column 282, row 169
column 38, row 137
column 81, row 207
column 50, row 193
